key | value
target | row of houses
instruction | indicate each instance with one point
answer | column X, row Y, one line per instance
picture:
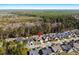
column 48, row 36
column 58, row 35
column 67, row 47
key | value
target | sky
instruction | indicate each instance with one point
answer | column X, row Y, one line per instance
column 39, row 6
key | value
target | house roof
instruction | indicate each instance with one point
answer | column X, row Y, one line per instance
column 76, row 45
column 34, row 52
column 56, row 48
column 66, row 47
column 46, row 51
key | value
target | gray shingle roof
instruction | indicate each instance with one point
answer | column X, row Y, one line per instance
column 46, row 51
column 34, row 52
column 66, row 47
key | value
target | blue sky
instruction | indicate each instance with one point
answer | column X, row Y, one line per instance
column 39, row 6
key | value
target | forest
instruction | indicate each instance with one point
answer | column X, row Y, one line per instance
column 24, row 23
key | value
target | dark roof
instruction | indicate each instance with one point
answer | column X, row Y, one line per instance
column 66, row 47
column 51, row 49
column 46, row 51
column 34, row 52
column 40, row 52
